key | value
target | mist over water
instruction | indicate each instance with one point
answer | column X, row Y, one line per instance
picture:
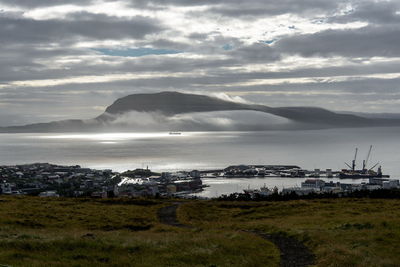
column 203, row 121
column 207, row 150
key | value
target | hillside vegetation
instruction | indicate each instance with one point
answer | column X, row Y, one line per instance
column 116, row 232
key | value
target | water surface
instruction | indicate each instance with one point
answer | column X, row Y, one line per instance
column 207, row 150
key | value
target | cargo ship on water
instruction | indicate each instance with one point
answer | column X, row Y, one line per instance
column 365, row 172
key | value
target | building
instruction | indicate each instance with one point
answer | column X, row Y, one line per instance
column 316, row 184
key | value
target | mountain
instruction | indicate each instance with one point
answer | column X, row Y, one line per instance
column 374, row 115
column 179, row 111
column 171, row 103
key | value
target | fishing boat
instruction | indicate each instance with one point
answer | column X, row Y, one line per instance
column 175, row 133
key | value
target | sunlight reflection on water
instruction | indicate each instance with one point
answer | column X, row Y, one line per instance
column 163, row 151
column 119, row 138
column 111, row 136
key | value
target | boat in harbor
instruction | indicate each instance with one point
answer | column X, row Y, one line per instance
column 263, row 191
column 364, row 172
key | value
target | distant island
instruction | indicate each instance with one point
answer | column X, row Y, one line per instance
column 174, row 111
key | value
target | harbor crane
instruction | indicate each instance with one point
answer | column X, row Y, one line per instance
column 365, row 162
column 353, row 165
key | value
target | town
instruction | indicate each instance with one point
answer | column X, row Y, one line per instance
column 319, row 186
column 49, row 180
column 46, row 179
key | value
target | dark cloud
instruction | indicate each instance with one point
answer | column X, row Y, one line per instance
column 257, row 52
column 77, row 26
column 43, row 3
column 30, row 63
column 198, row 36
column 369, row 41
column 23, row 61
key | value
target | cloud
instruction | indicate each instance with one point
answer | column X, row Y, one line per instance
column 42, row 3
column 376, row 12
column 265, row 8
column 135, row 52
column 235, row 8
column 257, row 52
column 57, row 56
column 226, row 97
column 80, row 26
column 370, row 41
column 219, row 120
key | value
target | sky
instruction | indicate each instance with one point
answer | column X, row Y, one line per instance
column 72, row 58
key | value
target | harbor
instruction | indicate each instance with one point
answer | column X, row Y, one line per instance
column 60, row 180
column 294, row 171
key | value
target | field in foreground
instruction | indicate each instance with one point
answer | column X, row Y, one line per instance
column 89, row 232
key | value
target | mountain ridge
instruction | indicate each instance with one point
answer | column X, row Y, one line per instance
column 169, row 104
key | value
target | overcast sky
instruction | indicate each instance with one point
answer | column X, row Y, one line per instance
column 72, row 58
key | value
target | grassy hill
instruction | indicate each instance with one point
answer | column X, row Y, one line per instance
column 115, row 232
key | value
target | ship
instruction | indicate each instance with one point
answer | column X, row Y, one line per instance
column 263, row 191
column 175, row 133
column 364, row 172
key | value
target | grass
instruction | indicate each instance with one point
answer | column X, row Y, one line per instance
column 341, row 232
column 92, row 232
column 82, row 232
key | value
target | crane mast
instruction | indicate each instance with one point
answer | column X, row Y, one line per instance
column 353, row 166
column 366, row 160
column 365, row 172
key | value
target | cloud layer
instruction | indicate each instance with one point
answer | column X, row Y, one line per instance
column 70, row 59
column 212, row 121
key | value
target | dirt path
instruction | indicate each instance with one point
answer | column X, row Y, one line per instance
column 293, row 252
column 167, row 215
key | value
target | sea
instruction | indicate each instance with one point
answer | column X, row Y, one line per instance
column 163, row 151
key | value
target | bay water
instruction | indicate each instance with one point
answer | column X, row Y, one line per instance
column 162, row 151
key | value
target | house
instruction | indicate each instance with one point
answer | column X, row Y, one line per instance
column 390, row 184
column 316, row 184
